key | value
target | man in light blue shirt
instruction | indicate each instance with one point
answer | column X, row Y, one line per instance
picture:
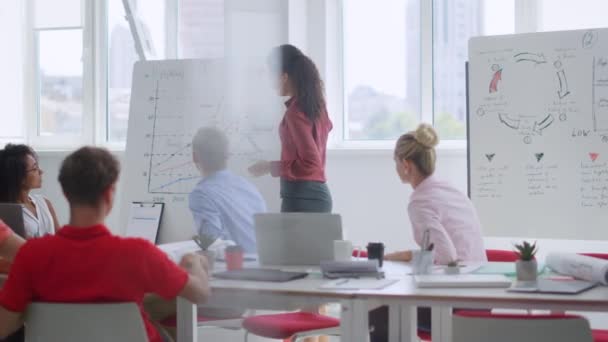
column 222, row 203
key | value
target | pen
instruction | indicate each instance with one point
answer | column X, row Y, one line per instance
column 342, row 282
column 425, row 240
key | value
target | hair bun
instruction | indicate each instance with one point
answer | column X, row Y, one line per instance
column 426, row 136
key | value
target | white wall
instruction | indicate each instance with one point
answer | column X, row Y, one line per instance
column 365, row 188
column 366, row 192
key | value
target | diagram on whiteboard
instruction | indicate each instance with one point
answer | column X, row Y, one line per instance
column 169, row 106
column 170, row 166
column 528, row 124
column 538, row 133
column 531, row 90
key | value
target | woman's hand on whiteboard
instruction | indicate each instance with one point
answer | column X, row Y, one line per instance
column 260, row 168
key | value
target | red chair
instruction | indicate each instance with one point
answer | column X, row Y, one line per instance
column 596, row 255
column 293, row 326
column 424, row 336
column 478, row 326
column 358, row 253
column 497, row 255
column 296, row 325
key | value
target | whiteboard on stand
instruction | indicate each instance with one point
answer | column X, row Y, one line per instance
column 538, row 134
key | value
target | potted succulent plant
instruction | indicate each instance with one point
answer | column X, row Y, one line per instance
column 204, row 241
column 526, row 267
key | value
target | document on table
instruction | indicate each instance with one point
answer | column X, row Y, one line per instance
column 176, row 250
column 358, row 284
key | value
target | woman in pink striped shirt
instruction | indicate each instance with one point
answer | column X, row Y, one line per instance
column 436, row 206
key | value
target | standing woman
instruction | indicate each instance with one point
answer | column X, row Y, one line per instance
column 19, row 174
column 303, row 131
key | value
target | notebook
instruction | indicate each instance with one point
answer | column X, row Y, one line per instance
column 561, row 286
column 261, row 274
column 462, row 281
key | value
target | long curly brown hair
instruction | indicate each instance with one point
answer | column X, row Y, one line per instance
column 303, row 76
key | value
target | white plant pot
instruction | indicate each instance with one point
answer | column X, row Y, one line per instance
column 452, row 270
column 526, row 270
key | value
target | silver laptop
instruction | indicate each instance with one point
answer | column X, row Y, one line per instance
column 290, row 239
column 569, row 286
column 12, row 215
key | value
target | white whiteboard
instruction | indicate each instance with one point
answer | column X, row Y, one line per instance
column 538, row 134
column 170, row 101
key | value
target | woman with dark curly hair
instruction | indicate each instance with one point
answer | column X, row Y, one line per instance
column 303, row 132
column 19, row 174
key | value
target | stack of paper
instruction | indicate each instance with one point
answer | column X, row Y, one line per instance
column 358, row 284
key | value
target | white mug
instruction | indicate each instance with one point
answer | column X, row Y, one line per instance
column 343, row 250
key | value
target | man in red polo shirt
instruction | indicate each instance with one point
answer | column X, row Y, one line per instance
column 85, row 263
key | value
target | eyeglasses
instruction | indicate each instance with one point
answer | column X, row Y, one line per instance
column 35, row 168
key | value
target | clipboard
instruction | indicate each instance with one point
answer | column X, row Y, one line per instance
column 144, row 220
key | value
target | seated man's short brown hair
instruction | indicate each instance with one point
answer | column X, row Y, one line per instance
column 86, row 174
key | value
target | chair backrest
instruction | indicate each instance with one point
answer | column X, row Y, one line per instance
column 602, row 256
column 497, row 255
column 12, row 215
column 485, row 326
column 117, row 322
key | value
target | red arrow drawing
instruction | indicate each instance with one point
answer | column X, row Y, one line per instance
column 593, row 156
column 494, row 84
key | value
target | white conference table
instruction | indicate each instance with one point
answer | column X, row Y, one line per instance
column 402, row 298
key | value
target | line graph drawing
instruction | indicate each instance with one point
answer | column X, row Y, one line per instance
column 170, row 168
column 496, row 78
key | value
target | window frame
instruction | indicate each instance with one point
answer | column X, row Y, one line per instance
column 314, row 25
column 426, row 85
column 32, row 81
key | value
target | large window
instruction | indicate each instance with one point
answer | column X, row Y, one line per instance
column 198, row 33
column 58, row 37
column 201, row 29
column 400, row 62
column 454, row 23
column 381, row 68
column 572, row 15
column 382, row 62
column 150, row 17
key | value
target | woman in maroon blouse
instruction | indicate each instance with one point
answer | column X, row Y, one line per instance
column 303, row 132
